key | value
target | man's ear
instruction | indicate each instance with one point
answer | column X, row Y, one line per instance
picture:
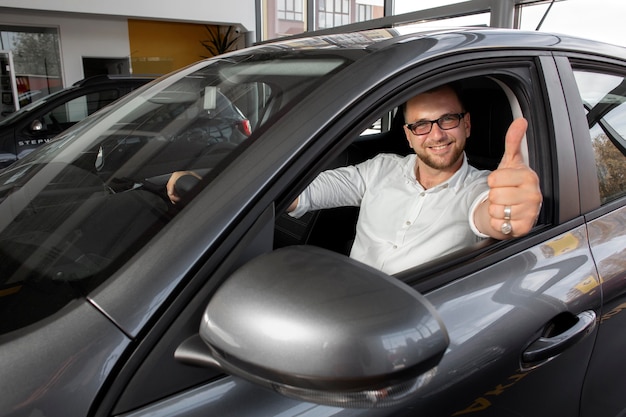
column 468, row 124
column 407, row 134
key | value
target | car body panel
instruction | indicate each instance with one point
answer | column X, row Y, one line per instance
column 529, row 289
column 73, row 351
column 607, row 241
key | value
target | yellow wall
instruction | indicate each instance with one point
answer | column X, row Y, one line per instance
column 161, row 47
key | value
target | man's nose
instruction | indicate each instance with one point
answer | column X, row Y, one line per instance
column 436, row 131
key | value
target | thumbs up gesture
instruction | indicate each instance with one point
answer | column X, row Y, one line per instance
column 515, row 197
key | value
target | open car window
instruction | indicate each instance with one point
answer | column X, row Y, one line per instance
column 492, row 104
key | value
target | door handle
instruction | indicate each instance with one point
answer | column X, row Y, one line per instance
column 547, row 347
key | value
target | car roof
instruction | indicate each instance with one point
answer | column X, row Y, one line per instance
column 474, row 38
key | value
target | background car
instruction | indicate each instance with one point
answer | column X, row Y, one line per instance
column 116, row 302
column 41, row 120
column 29, row 96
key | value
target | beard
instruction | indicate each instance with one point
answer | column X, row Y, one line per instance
column 441, row 163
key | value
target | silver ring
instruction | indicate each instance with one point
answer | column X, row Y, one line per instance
column 506, row 228
column 507, row 213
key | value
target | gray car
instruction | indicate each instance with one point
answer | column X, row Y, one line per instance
column 116, row 302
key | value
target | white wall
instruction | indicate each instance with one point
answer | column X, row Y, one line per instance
column 100, row 29
column 87, row 36
column 240, row 12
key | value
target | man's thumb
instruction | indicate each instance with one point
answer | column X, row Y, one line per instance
column 513, row 144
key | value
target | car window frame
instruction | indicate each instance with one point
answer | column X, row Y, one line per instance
column 449, row 267
column 592, row 206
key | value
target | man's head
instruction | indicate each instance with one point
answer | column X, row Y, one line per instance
column 437, row 127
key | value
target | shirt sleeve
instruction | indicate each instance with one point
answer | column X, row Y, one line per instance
column 339, row 187
column 477, row 201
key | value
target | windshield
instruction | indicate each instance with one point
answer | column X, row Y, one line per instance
column 76, row 209
column 29, row 107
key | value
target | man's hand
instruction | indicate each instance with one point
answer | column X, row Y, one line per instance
column 514, row 188
column 171, row 189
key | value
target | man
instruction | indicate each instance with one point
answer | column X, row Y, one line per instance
column 419, row 207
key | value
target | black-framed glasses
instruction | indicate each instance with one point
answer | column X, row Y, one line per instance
column 445, row 122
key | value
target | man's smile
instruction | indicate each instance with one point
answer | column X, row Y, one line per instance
column 440, row 147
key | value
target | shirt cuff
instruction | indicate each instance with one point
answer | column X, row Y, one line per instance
column 478, row 201
column 303, row 205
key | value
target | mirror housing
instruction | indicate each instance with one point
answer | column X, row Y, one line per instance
column 36, row 125
column 318, row 326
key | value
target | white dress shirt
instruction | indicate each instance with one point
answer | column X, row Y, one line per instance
column 401, row 224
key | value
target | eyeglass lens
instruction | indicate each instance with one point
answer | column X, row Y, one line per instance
column 445, row 122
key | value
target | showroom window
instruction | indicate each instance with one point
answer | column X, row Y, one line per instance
column 36, row 64
column 290, row 10
column 407, row 6
column 363, row 12
column 289, row 17
column 283, row 18
column 333, row 13
column 603, row 97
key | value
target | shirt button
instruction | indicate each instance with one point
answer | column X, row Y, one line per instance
column 408, row 223
column 395, row 246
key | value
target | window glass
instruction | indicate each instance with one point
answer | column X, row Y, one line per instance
column 289, row 17
column 77, row 109
column 75, row 210
column 283, row 18
column 73, row 111
column 334, row 13
column 473, row 19
column 603, row 97
column 36, row 62
column 480, row 19
column 406, row 6
column 577, row 17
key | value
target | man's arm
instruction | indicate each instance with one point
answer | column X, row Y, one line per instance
column 337, row 187
column 293, row 205
column 514, row 187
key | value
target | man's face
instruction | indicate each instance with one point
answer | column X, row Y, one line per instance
column 439, row 149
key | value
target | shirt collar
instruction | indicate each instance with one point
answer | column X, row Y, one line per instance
column 455, row 181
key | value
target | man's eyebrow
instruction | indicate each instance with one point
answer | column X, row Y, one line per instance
column 424, row 119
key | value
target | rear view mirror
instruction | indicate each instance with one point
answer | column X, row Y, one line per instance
column 317, row 326
column 210, row 98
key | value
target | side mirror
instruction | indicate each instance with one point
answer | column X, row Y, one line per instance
column 314, row 325
column 36, row 125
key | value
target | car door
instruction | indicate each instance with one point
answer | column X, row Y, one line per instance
column 501, row 306
column 521, row 315
column 597, row 96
